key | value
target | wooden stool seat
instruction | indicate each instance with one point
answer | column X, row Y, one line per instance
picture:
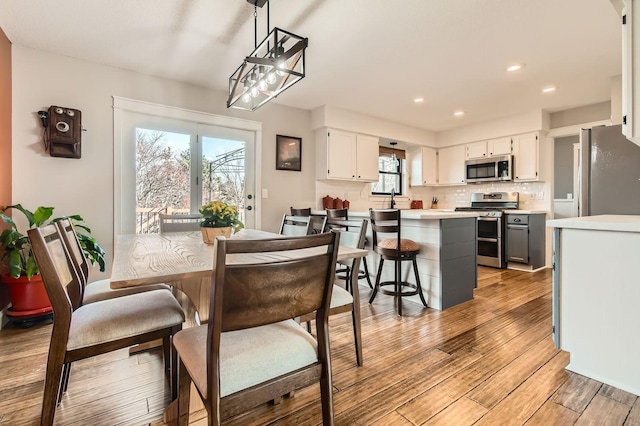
column 406, row 246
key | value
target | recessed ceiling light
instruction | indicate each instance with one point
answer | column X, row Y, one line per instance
column 515, row 67
column 549, row 89
column 458, row 113
column 418, row 100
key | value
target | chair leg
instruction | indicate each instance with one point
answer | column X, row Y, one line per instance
column 52, row 383
column 398, row 277
column 418, row 286
column 377, row 286
column 174, row 364
column 309, row 327
column 357, row 334
column 166, row 352
column 184, row 396
column 66, row 370
column 366, row 271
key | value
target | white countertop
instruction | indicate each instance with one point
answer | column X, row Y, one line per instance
column 415, row 214
column 609, row 222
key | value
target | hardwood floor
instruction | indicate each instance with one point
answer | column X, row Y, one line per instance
column 485, row 362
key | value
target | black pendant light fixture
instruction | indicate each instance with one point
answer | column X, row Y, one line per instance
column 276, row 64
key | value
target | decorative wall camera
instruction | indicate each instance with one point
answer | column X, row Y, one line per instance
column 63, row 131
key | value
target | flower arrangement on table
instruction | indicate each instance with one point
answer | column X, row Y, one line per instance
column 219, row 218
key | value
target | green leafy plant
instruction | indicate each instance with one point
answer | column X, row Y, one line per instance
column 17, row 248
column 218, row 214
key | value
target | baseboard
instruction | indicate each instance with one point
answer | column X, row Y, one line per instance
column 523, row 267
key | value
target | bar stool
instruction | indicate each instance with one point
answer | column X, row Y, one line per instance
column 398, row 250
column 344, row 215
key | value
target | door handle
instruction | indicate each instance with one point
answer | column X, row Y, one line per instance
column 249, row 208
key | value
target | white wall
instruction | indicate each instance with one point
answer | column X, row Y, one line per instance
column 85, row 186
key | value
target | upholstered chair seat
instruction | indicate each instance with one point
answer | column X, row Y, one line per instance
column 405, row 245
column 248, row 357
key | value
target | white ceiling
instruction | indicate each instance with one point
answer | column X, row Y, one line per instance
column 369, row 56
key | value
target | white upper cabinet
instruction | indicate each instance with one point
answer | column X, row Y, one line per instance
column 451, row 165
column 367, row 153
column 476, row 150
column 499, row 146
column 525, row 157
column 346, row 156
column 424, row 169
column 631, row 70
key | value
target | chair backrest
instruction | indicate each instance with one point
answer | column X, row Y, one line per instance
column 352, row 232
column 296, row 225
column 267, row 281
column 61, row 280
column 179, row 222
column 301, row 212
column 338, row 214
column 385, row 222
column 74, row 247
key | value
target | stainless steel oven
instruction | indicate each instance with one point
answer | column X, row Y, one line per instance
column 491, row 227
column 490, row 242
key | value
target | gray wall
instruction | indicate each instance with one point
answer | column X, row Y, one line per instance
column 563, row 166
column 585, row 114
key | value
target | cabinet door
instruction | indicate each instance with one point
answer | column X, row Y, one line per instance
column 525, row 157
column 499, row 146
column 631, row 71
column 341, row 155
column 451, row 165
column 367, row 153
column 424, row 169
column 476, row 150
column 518, row 243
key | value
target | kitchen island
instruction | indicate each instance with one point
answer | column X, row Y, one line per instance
column 595, row 297
column 447, row 262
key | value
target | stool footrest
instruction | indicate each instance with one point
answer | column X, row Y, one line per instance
column 403, row 284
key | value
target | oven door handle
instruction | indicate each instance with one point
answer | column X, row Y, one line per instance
column 488, row 240
column 488, row 219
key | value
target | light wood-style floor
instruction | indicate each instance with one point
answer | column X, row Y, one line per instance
column 490, row 361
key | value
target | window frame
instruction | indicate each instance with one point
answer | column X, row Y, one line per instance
column 398, row 172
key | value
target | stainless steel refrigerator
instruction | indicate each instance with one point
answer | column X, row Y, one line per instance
column 610, row 172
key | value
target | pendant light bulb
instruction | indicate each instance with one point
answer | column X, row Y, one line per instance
column 246, row 97
column 254, row 92
column 393, row 151
column 262, row 85
column 271, row 77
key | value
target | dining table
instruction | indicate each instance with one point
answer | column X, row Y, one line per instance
column 184, row 261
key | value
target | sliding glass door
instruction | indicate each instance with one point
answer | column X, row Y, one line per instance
column 175, row 166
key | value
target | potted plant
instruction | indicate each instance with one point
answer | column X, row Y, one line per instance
column 26, row 289
column 219, row 218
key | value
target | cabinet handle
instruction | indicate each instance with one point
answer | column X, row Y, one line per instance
column 358, row 177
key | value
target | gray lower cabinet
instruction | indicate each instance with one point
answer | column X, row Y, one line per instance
column 526, row 239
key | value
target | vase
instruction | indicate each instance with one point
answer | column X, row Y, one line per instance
column 209, row 234
column 27, row 294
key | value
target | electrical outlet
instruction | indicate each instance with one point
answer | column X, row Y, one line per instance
column 265, row 193
column 532, row 196
column 540, row 195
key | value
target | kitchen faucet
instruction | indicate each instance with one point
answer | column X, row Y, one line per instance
column 393, row 201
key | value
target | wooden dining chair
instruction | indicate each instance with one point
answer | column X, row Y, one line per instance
column 252, row 350
column 296, row 225
column 98, row 290
column 300, row 212
column 344, row 214
column 81, row 332
column 352, row 234
column 179, row 222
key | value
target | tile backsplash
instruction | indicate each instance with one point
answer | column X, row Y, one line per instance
column 533, row 195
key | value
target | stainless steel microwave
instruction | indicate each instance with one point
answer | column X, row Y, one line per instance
column 491, row 169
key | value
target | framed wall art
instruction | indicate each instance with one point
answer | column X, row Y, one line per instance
column 288, row 153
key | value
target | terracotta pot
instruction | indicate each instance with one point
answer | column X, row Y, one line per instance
column 27, row 294
column 209, row 234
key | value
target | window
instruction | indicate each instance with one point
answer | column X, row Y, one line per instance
column 390, row 167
